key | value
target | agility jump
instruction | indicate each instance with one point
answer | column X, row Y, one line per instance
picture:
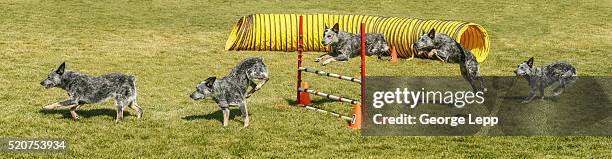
column 355, row 120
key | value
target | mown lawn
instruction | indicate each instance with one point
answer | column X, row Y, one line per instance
column 172, row 45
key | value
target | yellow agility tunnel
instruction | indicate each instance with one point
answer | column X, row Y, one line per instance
column 279, row 32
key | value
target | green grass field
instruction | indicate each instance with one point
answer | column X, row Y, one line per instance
column 172, row 45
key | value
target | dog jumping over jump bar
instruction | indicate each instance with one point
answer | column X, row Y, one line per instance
column 355, row 120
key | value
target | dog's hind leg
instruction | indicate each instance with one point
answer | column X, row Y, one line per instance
column 564, row 83
column 532, row 94
column 137, row 108
column 245, row 113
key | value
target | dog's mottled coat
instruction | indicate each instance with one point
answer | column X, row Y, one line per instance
column 232, row 89
column 450, row 51
column 85, row 89
column 347, row 45
column 542, row 77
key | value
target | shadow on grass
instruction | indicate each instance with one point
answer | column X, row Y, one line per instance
column 519, row 99
column 291, row 101
column 217, row 115
column 86, row 113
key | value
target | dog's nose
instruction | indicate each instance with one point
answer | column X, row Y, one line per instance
column 42, row 83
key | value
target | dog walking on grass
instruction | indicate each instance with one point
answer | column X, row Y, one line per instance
column 347, row 45
column 542, row 77
column 232, row 89
column 450, row 51
column 85, row 89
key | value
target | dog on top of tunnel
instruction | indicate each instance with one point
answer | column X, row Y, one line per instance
column 346, row 45
column 232, row 89
column 450, row 51
column 542, row 77
column 85, row 89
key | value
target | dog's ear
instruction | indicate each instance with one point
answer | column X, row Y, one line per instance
column 336, row 28
column 326, row 27
column 530, row 62
column 210, row 81
column 432, row 33
column 422, row 32
column 61, row 68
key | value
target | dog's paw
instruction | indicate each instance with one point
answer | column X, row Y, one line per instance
column 525, row 101
column 317, row 60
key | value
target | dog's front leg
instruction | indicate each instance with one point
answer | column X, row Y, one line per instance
column 73, row 113
column 326, row 55
column 329, row 60
column 258, row 87
column 341, row 57
column 255, row 87
column 226, row 114
column 120, row 109
column 245, row 113
column 66, row 103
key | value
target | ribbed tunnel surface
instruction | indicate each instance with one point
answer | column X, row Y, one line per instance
column 278, row 32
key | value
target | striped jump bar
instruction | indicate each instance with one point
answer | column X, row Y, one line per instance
column 323, row 73
column 352, row 101
column 330, row 112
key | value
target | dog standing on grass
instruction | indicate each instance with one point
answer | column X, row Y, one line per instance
column 85, row 89
column 542, row 77
column 232, row 89
column 450, row 51
column 347, row 45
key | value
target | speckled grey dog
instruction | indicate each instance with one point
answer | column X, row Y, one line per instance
column 85, row 89
column 347, row 45
column 232, row 89
column 542, row 77
column 450, row 51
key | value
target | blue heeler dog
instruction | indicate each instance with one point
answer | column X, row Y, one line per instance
column 347, row 45
column 450, row 51
column 542, row 77
column 85, row 89
column 232, row 89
